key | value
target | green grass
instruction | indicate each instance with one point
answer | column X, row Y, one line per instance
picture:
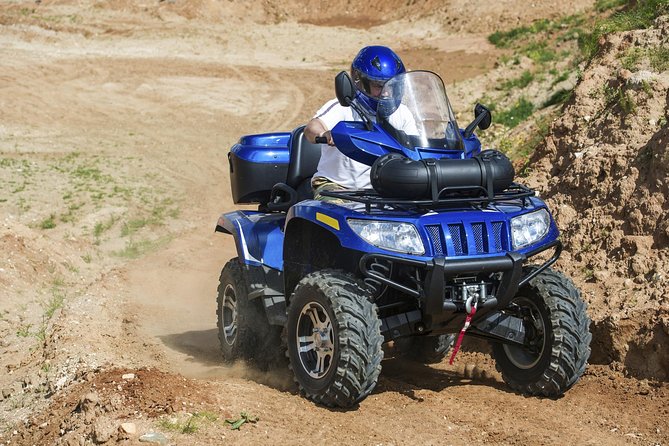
column 539, row 52
column 24, row 331
column 189, row 426
column 659, row 58
column 521, row 82
column 520, row 147
column 513, row 116
column 559, row 97
column 617, row 96
column 605, row 5
column 640, row 16
column 20, row 188
column 134, row 225
column 160, row 211
column 504, row 39
column 134, row 250
column 632, row 58
column 49, row 222
column 101, row 227
column 55, row 303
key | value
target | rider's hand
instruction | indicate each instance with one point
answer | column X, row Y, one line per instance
column 328, row 135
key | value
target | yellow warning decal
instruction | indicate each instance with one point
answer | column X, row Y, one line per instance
column 332, row 222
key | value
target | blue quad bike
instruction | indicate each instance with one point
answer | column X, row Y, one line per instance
column 444, row 240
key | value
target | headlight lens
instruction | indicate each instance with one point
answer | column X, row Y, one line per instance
column 391, row 235
column 529, row 228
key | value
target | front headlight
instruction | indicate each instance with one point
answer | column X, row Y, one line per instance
column 391, row 235
column 529, row 228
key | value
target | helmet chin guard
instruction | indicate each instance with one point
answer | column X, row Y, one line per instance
column 369, row 104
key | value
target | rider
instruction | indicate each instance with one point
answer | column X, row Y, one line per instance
column 371, row 68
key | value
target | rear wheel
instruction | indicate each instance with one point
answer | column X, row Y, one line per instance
column 557, row 338
column 243, row 330
column 334, row 339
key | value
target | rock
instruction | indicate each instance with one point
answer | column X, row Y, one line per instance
column 128, row 376
column 129, row 428
column 469, row 371
column 103, row 431
column 602, row 276
column 87, row 405
column 625, row 74
column 638, row 78
column 153, row 438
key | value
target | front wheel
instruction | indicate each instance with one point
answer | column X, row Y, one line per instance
column 557, row 340
column 334, row 339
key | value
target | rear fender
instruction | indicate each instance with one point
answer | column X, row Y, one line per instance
column 258, row 236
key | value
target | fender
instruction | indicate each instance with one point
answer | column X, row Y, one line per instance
column 258, row 236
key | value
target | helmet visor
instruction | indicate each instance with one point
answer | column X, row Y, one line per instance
column 368, row 86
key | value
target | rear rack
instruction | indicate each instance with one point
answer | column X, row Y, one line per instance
column 475, row 195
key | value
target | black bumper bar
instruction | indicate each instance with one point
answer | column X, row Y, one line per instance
column 440, row 268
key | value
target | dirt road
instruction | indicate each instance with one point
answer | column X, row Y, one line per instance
column 115, row 121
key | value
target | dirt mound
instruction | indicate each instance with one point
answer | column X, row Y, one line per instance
column 97, row 406
column 604, row 171
column 35, row 279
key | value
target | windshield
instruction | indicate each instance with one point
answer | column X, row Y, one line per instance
column 414, row 108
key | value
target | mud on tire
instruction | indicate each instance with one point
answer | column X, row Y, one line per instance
column 243, row 330
column 334, row 339
column 558, row 327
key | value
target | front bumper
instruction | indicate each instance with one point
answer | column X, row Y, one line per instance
column 437, row 310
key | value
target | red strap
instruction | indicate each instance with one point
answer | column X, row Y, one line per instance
column 456, row 347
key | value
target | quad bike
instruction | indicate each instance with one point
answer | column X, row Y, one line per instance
column 443, row 243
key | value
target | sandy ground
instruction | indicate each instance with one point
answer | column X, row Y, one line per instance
column 115, row 121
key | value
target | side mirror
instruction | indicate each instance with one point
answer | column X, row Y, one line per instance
column 344, row 89
column 487, row 119
column 482, row 119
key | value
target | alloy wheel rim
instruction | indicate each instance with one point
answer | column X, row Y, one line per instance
column 229, row 310
column 315, row 340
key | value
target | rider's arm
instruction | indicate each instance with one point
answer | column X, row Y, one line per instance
column 315, row 128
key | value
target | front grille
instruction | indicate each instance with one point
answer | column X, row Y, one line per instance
column 479, row 237
column 460, row 239
column 434, row 231
column 497, row 227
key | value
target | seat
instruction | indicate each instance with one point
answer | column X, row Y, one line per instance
column 302, row 165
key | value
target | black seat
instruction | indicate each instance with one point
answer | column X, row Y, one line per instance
column 302, row 165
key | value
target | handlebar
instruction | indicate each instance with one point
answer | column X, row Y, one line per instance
column 321, row 140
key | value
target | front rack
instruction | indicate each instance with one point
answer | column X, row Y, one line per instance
column 475, row 195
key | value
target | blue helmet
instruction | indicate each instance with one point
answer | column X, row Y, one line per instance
column 370, row 69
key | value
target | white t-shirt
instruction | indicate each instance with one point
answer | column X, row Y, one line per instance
column 336, row 166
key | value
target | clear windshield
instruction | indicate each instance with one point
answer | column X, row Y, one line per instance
column 414, row 107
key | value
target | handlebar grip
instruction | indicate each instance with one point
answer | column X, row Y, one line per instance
column 321, row 140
